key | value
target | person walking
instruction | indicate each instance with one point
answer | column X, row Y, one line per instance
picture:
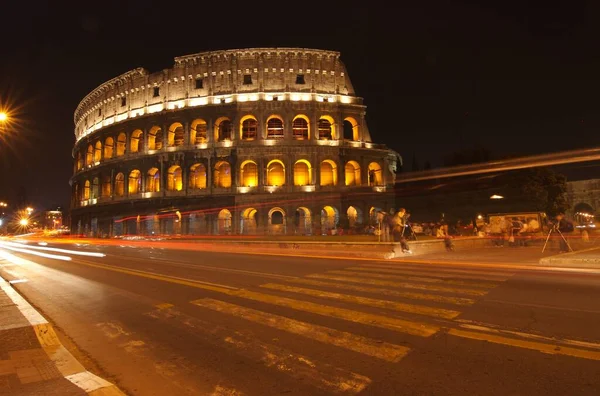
column 399, row 223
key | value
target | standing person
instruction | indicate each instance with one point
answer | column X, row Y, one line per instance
column 399, row 223
column 564, row 226
column 383, row 219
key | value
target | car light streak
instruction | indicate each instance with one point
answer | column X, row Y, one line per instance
column 28, row 251
column 66, row 251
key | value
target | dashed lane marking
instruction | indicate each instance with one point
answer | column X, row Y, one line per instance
column 163, row 306
column 326, row 335
column 431, row 273
column 485, row 285
column 372, row 302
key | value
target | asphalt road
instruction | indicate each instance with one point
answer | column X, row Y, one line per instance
column 170, row 322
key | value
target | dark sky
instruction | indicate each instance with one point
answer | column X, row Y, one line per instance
column 436, row 76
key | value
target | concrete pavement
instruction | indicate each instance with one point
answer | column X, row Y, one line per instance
column 165, row 321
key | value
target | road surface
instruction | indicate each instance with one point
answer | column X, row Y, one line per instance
column 161, row 321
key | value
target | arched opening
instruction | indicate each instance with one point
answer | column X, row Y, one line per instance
column 153, row 180
column 274, row 127
column 375, row 174
column 175, row 135
column 277, row 221
column 248, row 223
column 174, row 178
column 197, row 176
column 222, row 174
column 121, row 142
column 248, row 128
column 224, row 222
column 159, row 140
column 120, row 185
column 89, row 155
column 86, row 190
column 98, row 151
column 303, row 221
column 302, row 173
column 135, row 182
column 197, row 224
column 373, row 213
column 329, row 219
column 137, row 141
column 106, row 187
column 352, row 173
column 154, row 140
column 79, row 161
column 198, row 132
column 109, row 146
column 249, row 174
column 328, row 173
column 275, row 173
column 354, row 216
column 351, row 131
column 223, row 129
column 300, row 128
column 326, row 128
column 584, row 213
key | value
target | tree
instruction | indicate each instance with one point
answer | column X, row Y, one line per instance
column 543, row 189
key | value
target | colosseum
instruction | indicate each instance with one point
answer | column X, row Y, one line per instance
column 249, row 141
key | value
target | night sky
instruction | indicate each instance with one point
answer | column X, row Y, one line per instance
column 436, row 77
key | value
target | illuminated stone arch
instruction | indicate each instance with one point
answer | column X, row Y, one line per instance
column 224, row 222
column 303, row 221
column 352, row 173
column 249, row 174
column 86, row 190
column 109, row 147
column 326, row 128
column 153, row 180
column 375, row 174
column 275, row 127
column 175, row 178
column 248, row 224
column 135, row 182
column 328, row 173
column 223, row 129
column 198, row 132
column 120, row 184
column 155, row 138
column 79, row 161
column 355, row 216
column 121, row 143
column 175, row 135
column 351, row 129
column 89, row 155
column 197, row 176
column 373, row 212
column 329, row 219
column 277, row 221
column 248, row 127
column 106, row 189
column 222, row 174
column 301, row 127
column 275, row 173
column 302, row 173
column 137, row 141
column 98, row 151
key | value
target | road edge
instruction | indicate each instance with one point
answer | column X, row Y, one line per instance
column 65, row 362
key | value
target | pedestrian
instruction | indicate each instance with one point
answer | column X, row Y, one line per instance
column 399, row 223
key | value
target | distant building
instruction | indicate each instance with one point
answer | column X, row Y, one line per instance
column 53, row 219
column 584, row 196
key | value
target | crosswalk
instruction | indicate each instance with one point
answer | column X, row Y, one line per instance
column 412, row 302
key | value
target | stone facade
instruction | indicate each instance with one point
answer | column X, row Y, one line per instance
column 584, row 196
column 267, row 140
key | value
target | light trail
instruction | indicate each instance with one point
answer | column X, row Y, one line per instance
column 66, row 251
column 26, row 251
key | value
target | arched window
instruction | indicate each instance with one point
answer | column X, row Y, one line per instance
column 121, row 142
column 351, row 129
column 86, row 190
column 274, row 128
column 152, row 136
column 375, row 174
column 249, row 174
column 98, row 151
column 223, row 130
column 197, row 176
column 153, row 180
column 300, row 130
column 302, row 173
column 158, row 140
column 224, row 222
column 176, row 135
column 135, row 182
column 109, row 146
column 277, row 217
column 95, row 188
column 198, row 132
column 89, row 155
column 326, row 129
column 248, row 221
column 328, row 173
column 275, row 173
column 79, row 161
column 119, row 185
column 137, row 141
column 352, row 173
column 222, row 175
column 249, row 128
column 106, row 187
column 277, row 223
column 354, row 216
column 174, row 179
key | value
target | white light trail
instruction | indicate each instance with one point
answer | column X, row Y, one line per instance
column 27, row 251
column 66, row 251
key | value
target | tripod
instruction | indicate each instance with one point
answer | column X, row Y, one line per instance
column 554, row 228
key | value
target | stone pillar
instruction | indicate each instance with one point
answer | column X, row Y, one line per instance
column 186, row 133
column 315, row 219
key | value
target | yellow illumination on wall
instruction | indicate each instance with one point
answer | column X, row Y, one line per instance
column 253, row 97
column 302, row 173
column 122, row 116
column 295, row 97
column 198, row 101
column 222, row 174
column 109, row 121
column 345, row 99
column 155, row 108
column 375, row 174
column 174, row 178
column 328, row 173
column 242, row 98
column 275, row 173
column 249, row 174
column 352, row 173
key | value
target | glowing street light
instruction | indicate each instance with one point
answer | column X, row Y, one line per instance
column 495, row 196
column 29, row 210
column 3, row 116
column 24, row 222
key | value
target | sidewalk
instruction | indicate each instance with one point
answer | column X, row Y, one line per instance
column 32, row 359
column 587, row 258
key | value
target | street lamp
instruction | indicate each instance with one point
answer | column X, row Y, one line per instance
column 3, row 116
column 24, row 222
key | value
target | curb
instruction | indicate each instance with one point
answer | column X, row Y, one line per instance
column 570, row 259
column 66, row 363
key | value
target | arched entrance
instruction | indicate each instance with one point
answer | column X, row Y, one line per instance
column 329, row 219
column 584, row 213
column 248, row 225
column 224, row 222
column 354, row 216
column 277, row 221
column 302, row 220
